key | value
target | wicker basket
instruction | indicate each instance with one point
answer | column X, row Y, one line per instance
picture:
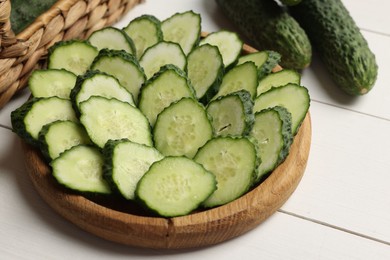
column 66, row 19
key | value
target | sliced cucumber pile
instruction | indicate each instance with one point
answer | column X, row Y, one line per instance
column 156, row 114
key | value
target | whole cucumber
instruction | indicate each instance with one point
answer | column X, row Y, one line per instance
column 268, row 26
column 340, row 44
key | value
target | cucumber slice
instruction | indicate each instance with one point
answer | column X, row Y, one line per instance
column 228, row 43
column 106, row 119
column 272, row 131
column 122, row 66
column 277, row 79
column 259, row 58
column 96, row 83
column 145, row 31
column 74, row 55
column 182, row 28
column 293, row 97
column 51, row 82
column 205, row 70
column 234, row 162
column 240, row 77
column 80, row 169
column 182, row 128
column 59, row 136
column 168, row 85
column 161, row 54
column 175, row 186
column 112, row 38
column 29, row 119
column 273, row 59
column 125, row 163
column 232, row 114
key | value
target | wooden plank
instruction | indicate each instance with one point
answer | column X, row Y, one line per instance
column 347, row 178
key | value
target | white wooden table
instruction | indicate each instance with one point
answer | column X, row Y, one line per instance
column 340, row 210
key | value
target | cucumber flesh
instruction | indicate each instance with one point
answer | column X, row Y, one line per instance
column 205, row 69
column 145, row 31
column 293, row 97
column 228, row 43
column 125, row 164
column 51, row 82
column 122, row 66
column 95, row 83
column 106, row 119
column 175, row 186
column 182, row 128
column 233, row 161
column 28, row 120
column 168, row 85
column 258, row 57
column 232, row 114
column 182, row 28
column 59, row 136
column 74, row 56
column 161, row 54
column 241, row 77
column 80, row 169
column 272, row 131
column 277, row 79
column 112, row 38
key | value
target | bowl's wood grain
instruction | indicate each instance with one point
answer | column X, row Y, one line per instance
column 127, row 224
column 124, row 222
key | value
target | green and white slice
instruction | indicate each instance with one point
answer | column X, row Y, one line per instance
column 106, row 119
column 182, row 128
column 112, row 38
column 277, row 79
column 233, row 161
column 183, row 28
column 81, row 169
column 145, row 31
column 168, row 85
column 125, row 164
column 51, row 82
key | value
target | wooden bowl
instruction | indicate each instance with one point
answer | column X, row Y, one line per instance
column 124, row 222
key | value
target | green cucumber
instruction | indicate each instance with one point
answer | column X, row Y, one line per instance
column 51, row 82
column 277, row 79
column 74, row 55
column 96, row 83
column 175, row 186
column 106, row 119
column 124, row 67
column 205, row 69
column 232, row 114
column 272, row 131
column 233, row 160
column 182, row 128
column 240, row 77
column 269, row 26
column 81, row 169
column 125, row 163
column 229, row 44
column 168, row 85
column 112, row 38
column 293, row 97
column 145, row 31
column 340, row 44
column 59, row 136
column 160, row 54
column 28, row 120
column 183, row 28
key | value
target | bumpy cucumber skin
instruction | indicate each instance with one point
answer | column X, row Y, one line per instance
column 273, row 59
column 270, row 27
column 17, row 121
column 290, row 2
column 340, row 44
column 247, row 103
